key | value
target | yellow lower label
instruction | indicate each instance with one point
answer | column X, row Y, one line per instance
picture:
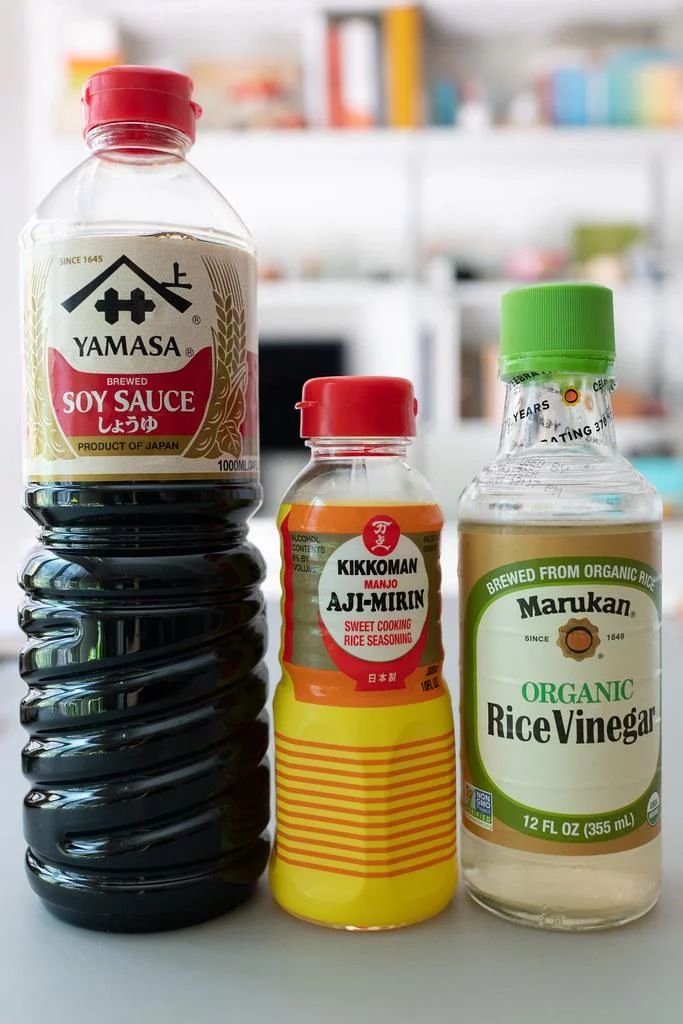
column 365, row 811
column 329, row 818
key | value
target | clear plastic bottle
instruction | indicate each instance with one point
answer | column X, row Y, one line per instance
column 365, row 774
column 145, row 622
column 560, row 612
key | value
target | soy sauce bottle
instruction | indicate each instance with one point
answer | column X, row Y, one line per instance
column 145, row 622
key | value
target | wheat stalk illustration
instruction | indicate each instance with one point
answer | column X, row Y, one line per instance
column 44, row 435
column 220, row 431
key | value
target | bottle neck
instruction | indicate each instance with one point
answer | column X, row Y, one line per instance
column 328, row 448
column 135, row 142
column 558, row 412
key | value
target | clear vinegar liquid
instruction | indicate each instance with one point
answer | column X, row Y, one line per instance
column 563, row 893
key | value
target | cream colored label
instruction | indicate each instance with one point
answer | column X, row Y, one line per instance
column 562, row 692
column 141, row 359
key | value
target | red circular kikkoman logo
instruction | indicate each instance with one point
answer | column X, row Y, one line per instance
column 381, row 535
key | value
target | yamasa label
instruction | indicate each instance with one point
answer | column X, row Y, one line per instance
column 561, row 700
column 362, row 604
column 140, row 360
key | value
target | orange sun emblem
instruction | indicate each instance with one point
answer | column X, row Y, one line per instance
column 571, row 396
column 578, row 639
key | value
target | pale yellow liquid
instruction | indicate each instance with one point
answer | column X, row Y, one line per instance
column 562, row 893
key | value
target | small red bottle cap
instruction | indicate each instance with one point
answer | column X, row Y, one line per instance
column 142, row 95
column 358, row 407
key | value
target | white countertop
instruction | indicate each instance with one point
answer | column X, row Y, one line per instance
column 259, row 966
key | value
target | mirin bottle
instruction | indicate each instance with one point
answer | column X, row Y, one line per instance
column 365, row 773
column 560, row 617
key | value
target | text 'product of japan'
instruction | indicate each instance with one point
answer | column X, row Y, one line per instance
column 561, row 628
column 146, row 632
column 365, row 773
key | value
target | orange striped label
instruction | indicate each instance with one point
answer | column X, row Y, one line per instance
column 366, row 812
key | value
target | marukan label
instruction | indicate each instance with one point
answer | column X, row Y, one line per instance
column 561, row 706
column 141, row 360
column 362, row 605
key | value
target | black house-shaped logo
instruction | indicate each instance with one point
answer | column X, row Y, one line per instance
column 138, row 304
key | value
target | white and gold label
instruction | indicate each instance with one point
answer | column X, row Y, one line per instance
column 141, row 360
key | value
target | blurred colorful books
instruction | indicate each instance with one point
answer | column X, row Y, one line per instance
column 623, row 88
column 368, row 68
column 394, row 66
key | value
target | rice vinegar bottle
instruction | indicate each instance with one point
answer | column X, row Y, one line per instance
column 365, row 772
column 560, row 626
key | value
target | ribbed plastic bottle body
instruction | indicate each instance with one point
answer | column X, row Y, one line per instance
column 365, row 774
column 145, row 621
column 559, row 503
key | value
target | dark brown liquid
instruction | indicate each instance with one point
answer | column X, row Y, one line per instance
column 146, row 633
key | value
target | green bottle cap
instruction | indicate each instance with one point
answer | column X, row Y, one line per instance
column 560, row 328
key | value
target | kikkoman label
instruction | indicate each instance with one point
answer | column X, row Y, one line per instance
column 561, row 688
column 361, row 604
column 141, row 360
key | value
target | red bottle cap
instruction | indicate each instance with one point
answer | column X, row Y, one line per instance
column 358, row 407
column 141, row 95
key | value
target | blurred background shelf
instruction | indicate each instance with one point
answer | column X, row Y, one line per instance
column 456, row 143
column 421, row 145
column 455, row 149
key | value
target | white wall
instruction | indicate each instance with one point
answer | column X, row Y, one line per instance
column 15, row 527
